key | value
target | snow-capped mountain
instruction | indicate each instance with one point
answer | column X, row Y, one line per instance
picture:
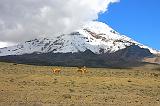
column 95, row 36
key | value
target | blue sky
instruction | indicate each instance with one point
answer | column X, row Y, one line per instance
column 138, row 19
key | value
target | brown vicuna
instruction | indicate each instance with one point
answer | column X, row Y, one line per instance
column 56, row 70
column 82, row 70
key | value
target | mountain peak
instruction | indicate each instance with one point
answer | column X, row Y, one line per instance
column 98, row 27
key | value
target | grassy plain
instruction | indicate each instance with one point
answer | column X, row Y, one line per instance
column 27, row 85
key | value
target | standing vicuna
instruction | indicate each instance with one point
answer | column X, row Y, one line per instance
column 82, row 70
column 56, row 70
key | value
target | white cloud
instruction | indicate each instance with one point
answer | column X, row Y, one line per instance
column 21, row 20
column 5, row 44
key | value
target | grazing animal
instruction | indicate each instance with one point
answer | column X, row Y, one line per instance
column 56, row 70
column 82, row 70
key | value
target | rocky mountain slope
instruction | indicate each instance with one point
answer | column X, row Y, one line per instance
column 128, row 57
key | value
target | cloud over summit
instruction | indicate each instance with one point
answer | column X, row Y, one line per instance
column 21, row 20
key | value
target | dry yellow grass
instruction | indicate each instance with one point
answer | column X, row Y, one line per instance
column 27, row 85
